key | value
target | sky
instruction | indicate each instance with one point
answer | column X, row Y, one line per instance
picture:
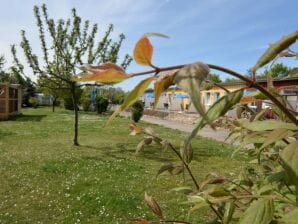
column 231, row 33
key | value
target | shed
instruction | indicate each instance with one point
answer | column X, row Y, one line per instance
column 10, row 100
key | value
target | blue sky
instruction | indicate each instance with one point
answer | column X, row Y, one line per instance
column 233, row 33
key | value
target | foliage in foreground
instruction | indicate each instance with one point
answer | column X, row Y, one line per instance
column 265, row 193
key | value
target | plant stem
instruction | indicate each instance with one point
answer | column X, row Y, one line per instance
column 186, row 166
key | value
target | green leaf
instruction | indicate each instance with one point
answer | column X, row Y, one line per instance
column 229, row 211
column 276, row 135
column 267, row 125
column 184, row 190
column 199, row 202
column 132, row 97
column 186, row 153
column 222, row 106
column 160, row 86
column 291, row 217
column 218, row 191
column 289, row 157
column 275, row 49
column 166, row 167
column 178, row 169
column 155, row 34
column 189, row 79
column 260, row 211
column 277, row 177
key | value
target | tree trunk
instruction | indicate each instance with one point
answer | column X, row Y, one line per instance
column 76, row 123
column 54, row 104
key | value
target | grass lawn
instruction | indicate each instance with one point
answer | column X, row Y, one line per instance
column 44, row 179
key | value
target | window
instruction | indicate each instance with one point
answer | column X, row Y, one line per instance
column 208, row 98
column 216, row 96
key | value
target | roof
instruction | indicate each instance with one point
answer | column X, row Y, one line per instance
column 261, row 80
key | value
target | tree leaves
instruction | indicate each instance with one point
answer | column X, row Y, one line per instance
column 154, row 206
column 132, row 97
column 160, row 86
column 275, row 49
column 218, row 109
column 189, row 79
column 260, row 211
column 107, row 73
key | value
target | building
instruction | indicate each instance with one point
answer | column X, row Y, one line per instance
column 178, row 100
column 10, row 100
column 44, row 100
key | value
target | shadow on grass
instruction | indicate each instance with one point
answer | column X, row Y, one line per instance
column 32, row 118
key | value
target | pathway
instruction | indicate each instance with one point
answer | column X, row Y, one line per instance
column 218, row 135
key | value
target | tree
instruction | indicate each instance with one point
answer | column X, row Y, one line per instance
column 54, row 89
column 214, row 78
column 293, row 72
column 66, row 45
column 114, row 95
column 278, row 70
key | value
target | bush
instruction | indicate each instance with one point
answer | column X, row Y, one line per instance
column 86, row 99
column 101, row 104
column 85, row 102
column 137, row 110
column 33, row 102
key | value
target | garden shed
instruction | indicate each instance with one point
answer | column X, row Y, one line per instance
column 10, row 100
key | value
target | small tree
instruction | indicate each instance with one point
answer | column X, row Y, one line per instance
column 72, row 42
column 54, row 89
column 137, row 110
column 214, row 78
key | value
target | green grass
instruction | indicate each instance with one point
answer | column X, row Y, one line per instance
column 44, row 179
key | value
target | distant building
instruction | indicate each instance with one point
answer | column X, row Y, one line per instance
column 44, row 100
column 10, row 100
column 178, row 100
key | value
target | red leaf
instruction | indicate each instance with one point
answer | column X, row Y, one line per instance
column 153, row 205
column 143, row 51
column 139, row 221
column 107, row 73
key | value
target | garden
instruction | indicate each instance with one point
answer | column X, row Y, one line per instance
column 78, row 160
column 46, row 179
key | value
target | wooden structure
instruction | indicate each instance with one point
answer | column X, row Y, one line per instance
column 10, row 100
